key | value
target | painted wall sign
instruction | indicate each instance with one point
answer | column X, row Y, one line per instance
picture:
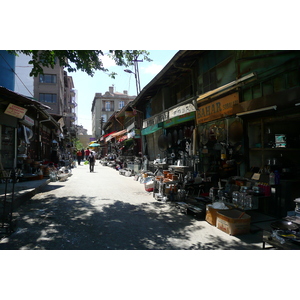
column 217, row 109
column 15, row 111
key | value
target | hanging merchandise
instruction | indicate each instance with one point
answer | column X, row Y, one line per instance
column 235, row 132
column 204, row 150
column 223, row 153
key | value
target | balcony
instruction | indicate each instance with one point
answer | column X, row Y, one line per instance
column 72, row 104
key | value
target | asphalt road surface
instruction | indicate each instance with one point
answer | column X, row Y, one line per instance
column 103, row 210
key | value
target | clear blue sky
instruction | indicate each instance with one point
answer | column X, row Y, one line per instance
column 87, row 86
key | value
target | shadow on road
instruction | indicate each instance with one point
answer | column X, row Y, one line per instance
column 82, row 223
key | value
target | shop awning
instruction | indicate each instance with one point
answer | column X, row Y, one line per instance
column 106, row 135
column 123, row 138
column 180, row 119
column 113, row 135
column 225, row 87
column 152, row 128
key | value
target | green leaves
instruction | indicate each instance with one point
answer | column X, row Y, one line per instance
column 87, row 61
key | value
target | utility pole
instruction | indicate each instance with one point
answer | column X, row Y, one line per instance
column 136, row 74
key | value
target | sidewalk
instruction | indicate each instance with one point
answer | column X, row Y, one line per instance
column 23, row 190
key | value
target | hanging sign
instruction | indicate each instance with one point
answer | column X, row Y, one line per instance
column 217, row 109
column 15, row 111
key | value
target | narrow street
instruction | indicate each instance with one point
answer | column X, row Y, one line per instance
column 106, row 211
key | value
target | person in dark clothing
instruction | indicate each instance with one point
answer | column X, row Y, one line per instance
column 91, row 160
column 82, row 154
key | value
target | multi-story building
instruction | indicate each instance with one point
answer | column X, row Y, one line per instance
column 104, row 106
column 49, row 88
column 55, row 89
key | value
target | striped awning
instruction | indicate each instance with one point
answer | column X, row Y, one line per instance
column 113, row 135
column 106, row 135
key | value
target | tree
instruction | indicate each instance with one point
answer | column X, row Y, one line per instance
column 87, row 61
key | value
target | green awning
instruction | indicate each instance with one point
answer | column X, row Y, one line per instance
column 180, row 119
column 152, row 128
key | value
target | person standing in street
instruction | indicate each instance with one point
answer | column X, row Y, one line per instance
column 79, row 155
column 87, row 153
column 91, row 160
column 82, row 154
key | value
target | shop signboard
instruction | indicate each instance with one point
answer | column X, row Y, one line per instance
column 181, row 110
column 27, row 121
column 15, row 111
column 156, row 119
column 220, row 108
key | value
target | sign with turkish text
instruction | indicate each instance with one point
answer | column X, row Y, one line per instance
column 181, row 110
column 217, row 109
column 15, row 111
column 28, row 121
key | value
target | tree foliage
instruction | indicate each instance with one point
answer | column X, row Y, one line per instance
column 88, row 61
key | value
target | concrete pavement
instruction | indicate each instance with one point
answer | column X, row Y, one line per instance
column 103, row 210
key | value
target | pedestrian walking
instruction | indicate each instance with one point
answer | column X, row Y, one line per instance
column 91, row 160
column 79, row 156
column 82, row 154
column 87, row 153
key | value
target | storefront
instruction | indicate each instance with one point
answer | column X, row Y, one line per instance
column 273, row 147
column 220, row 136
column 10, row 114
column 166, row 134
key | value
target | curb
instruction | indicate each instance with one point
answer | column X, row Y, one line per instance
column 19, row 200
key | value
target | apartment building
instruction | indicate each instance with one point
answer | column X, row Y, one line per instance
column 55, row 89
column 104, row 106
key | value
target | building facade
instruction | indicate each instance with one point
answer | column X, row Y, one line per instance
column 55, row 89
column 104, row 106
column 229, row 114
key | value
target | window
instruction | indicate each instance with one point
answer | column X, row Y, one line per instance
column 49, row 98
column 121, row 104
column 47, row 78
column 107, row 106
column 104, row 118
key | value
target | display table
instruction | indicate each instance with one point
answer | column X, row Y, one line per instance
column 274, row 243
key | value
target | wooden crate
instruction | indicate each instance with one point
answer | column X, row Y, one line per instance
column 233, row 222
